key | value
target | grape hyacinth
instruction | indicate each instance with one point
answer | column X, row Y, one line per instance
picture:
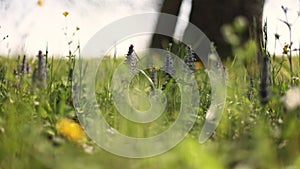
column 131, row 59
column 39, row 76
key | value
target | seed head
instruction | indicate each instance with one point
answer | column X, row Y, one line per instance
column 65, row 14
column 286, row 49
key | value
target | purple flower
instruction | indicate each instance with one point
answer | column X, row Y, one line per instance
column 24, row 67
column 169, row 65
column 190, row 58
column 264, row 85
column 39, row 76
column 131, row 59
column 153, row 75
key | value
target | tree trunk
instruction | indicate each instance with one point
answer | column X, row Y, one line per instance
column 210, row 15
column 170, row 7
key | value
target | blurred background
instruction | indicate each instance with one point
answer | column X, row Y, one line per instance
column 34, row 24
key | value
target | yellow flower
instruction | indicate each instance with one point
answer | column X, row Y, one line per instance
column 70, row 129
column 286, row 49
column 65, row 13
column 40, row 3
column 77, row 28
column 198, row 65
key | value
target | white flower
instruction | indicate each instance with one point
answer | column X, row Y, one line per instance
column 291, row 99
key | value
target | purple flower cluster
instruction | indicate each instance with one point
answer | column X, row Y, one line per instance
column 39, row 76
column 23, row 68
column 190, row 59
column 264, row 85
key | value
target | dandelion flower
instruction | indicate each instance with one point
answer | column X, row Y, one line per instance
column 40, row 3
column 70, row 129
column 65, row 13
column 286, row 49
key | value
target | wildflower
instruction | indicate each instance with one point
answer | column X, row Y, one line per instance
column 40, row 3
column 291, row 99
column 153, row 75
column 169, row 69
column 131, row 59
column 70, row 129
column 198, row 65
column 130, row 51
column 264, row 86
column 39, row 76
column 65, row 13
column 169, row 65
column 286, row 49
column 24, row 67
column 190, row 58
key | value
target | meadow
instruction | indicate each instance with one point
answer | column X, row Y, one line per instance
column 258, row 130
column 39, row 127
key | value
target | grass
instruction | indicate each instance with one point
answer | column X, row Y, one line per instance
column 250, row 135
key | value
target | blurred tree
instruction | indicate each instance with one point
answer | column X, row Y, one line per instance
column 211, row 15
